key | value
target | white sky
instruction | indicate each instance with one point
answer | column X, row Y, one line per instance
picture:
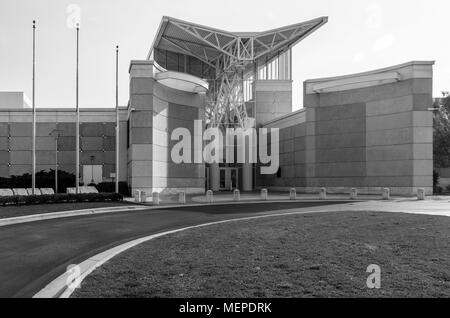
column 361, row 35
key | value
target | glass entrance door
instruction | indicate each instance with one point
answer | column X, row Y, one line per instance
column 233, row 178
column 223, row 178
column 228, row 178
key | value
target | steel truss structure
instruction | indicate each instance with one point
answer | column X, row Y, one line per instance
column 232, row 55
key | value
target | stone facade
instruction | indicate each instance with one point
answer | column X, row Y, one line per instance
column 367, row 131
column 156, row 110
column 273, row 99
column 97, row 140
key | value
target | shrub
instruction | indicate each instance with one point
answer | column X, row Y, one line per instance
column 61, row 198
column 436, row 179
column 7, row 200
column 44, row 179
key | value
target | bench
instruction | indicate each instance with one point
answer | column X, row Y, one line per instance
column 20, row 192
column 88, row 190
column 47, row 191
column 6, row 193
column 83, row 190
column 36, row 191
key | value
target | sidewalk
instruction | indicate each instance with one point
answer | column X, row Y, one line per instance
column 227, row 196
column 429, row 207
column 255, row 196
column 436, row 205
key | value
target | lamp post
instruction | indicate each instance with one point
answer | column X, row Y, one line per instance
column 33, row 150
column 77, row 141
column 56, row 133
column 117, row 119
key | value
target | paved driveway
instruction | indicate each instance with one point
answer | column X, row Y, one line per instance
column 33, row 254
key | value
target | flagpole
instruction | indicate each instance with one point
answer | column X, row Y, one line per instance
column 33, row 155
column 77, row 142
column 117, row 119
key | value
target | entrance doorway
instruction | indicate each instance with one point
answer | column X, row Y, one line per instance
column 229, row 178
column 92, row 174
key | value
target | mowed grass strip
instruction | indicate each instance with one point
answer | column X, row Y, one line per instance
column 314, row 255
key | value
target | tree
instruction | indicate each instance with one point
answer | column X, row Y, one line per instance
column 441, row 122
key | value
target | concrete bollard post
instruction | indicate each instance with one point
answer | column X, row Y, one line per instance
column 182, row 197
column 386, row 194
column 155, row 198
column 137, row 196
column 293, row 194
column 236, row 195
column 323, row 194
column 264, row 194
column 143, row 197
column 209, row 196
column 353, row 194
column 421, row 194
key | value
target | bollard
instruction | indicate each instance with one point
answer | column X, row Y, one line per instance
column 323, row 194
column 137, row 196
column 143, row 197
column 209, row 196
column 182, row 197
column 264, row 194
column 293, row 194
column 421, row 194
column 155, row 198
column 386, row 193
column 353, row 194
column 236, row 195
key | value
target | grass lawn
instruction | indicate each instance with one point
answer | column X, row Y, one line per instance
column 22, row 210
column 315, row 255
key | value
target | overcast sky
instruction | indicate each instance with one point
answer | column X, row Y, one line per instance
column 361, row 35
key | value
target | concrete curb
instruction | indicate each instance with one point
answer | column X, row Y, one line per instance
column 137, row 207
column 66, row 214
column 59, row 288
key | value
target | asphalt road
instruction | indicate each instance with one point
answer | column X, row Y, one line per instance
column 33, row 254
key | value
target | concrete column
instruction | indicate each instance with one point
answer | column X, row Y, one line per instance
column 247, row 177
column 140, row 153
column 214, row 176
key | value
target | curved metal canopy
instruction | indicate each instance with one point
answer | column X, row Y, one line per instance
column 210, row 45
